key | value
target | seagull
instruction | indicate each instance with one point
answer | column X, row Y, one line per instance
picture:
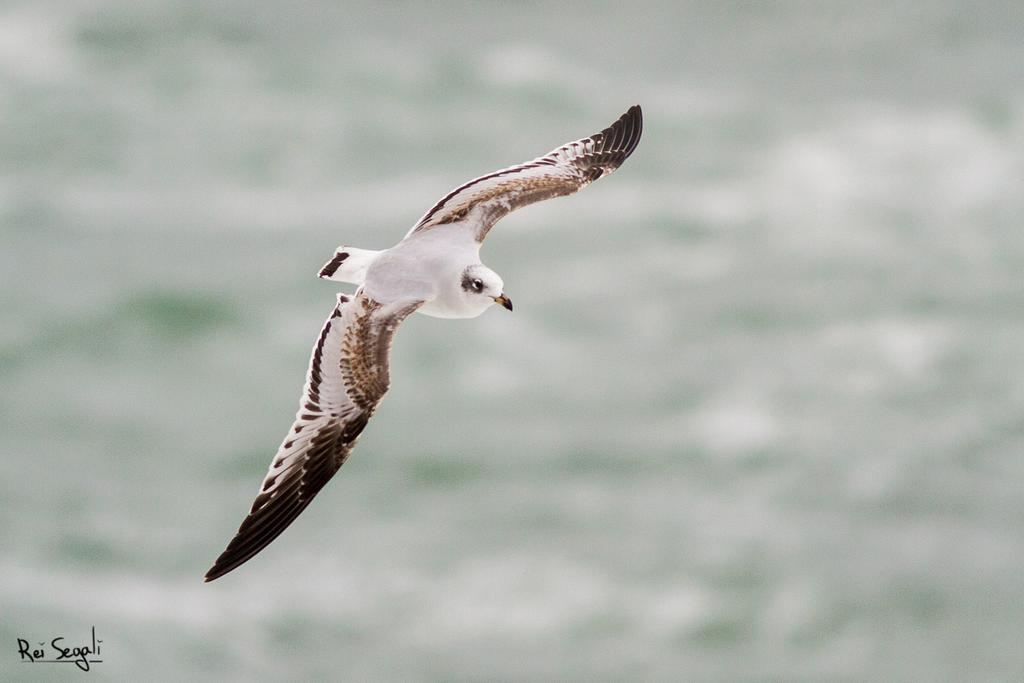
column 435, row 270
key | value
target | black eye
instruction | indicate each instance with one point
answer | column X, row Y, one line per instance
column 478, row 285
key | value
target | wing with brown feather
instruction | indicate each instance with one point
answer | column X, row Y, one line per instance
column 483, row 201
column 348, row 376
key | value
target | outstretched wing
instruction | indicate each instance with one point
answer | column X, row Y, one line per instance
column 348, row 375
column 485, row 200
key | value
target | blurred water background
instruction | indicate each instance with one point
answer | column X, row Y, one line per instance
column 758, row 415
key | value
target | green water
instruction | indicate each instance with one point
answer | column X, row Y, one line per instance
column 758, row 415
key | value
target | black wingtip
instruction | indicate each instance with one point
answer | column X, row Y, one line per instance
column 226, row 563
column 634, row 113
column 217, row 570
column 627, row 130
column 224, row 566
column 617, row 141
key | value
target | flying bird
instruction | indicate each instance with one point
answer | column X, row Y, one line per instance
column 435, row 270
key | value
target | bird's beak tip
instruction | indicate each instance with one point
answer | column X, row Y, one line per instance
column 504, row 301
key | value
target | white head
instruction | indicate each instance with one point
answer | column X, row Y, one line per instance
column 480, row 287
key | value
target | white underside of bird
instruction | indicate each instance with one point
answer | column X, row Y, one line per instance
column 428, row 268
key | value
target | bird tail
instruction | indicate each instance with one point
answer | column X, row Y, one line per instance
column 349, row 265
